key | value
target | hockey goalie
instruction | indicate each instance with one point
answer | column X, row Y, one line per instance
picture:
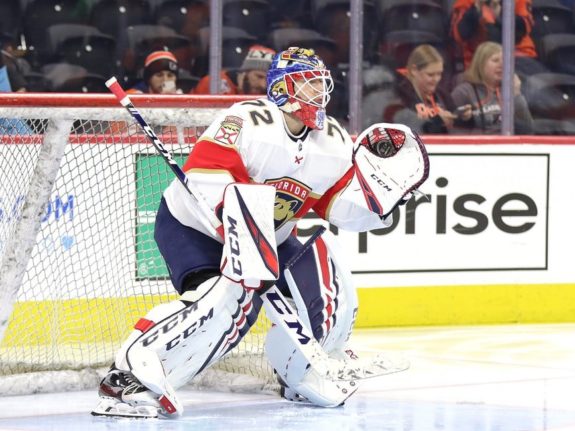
column 260, row 167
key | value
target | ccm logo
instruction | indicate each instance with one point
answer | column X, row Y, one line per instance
column 189, row 330
column 380, row 182
column 234, row 246
column 171, row 323
column 159, row 145
column 289, row 318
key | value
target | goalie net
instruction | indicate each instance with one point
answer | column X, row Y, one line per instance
column 79, row 188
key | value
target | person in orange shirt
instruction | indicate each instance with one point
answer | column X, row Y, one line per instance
column 477, row 21
column 249, row 79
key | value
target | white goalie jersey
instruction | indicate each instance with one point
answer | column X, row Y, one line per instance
column 250, row 143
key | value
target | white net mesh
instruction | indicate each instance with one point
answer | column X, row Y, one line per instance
column 92, row 268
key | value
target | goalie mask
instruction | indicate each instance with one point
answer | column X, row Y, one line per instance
column 299, row 84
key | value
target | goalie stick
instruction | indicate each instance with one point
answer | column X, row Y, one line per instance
column 275, row 303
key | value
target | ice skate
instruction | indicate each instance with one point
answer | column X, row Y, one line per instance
column 122, row 395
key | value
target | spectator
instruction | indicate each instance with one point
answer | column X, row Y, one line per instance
column 11, row 79
column 160, row 74
column 482, row 89
column 249, row 79
column 477, row 21
column 11, row 74
column 424, row 106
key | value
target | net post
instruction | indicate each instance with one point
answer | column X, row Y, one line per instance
column 21, row 244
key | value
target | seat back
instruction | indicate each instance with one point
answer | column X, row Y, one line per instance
column 41, row 14
column 324, row 46
column 551, row 96
column 550, row 17
column 10, row 16
column 333, row 19
column 252, row 16
column 186, row 17
column 96, row 53
column 89, row 83
column 417, row 15
column 554, row 127
column 558, row 52
column 235, row 46
column 396, row 46
column 114, row 16
column 58, row 33
column 83, row 45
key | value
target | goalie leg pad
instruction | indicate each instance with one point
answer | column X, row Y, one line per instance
column 326, row 301
column 190, row 334
column 302, row 381
column 323, row 292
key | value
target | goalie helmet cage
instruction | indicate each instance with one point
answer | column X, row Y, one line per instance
column 80, row 184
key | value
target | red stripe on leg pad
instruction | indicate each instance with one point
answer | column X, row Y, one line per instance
column 329, row 309
column 144, row 325
column 322, row 255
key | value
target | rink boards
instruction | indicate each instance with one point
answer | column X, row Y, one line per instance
column 490, row 245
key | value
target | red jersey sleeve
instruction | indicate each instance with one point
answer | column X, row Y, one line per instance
column 210, row 155
column 323, row 205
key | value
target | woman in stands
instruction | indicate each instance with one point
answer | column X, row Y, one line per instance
column 424, row 106
column 482, row 89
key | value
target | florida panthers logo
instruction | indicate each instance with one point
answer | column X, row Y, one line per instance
column 290, row 197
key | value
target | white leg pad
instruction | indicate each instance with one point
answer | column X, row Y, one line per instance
column 330, row 316
column 339, row 334
column 293, row 369
column 188, row 337
column 156, row 314
column 148, row 369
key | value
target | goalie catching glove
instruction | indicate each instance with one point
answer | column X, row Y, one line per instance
column 390, row 163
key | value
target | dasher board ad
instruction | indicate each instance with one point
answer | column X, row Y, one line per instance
column 488, row 214
column 476, row 212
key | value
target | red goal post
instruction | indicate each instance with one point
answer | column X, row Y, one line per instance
column 78, row 264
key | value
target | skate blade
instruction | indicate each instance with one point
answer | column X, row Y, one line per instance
column 111, row 408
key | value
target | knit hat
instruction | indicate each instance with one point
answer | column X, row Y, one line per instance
column 259, row 57
column 158, row 61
